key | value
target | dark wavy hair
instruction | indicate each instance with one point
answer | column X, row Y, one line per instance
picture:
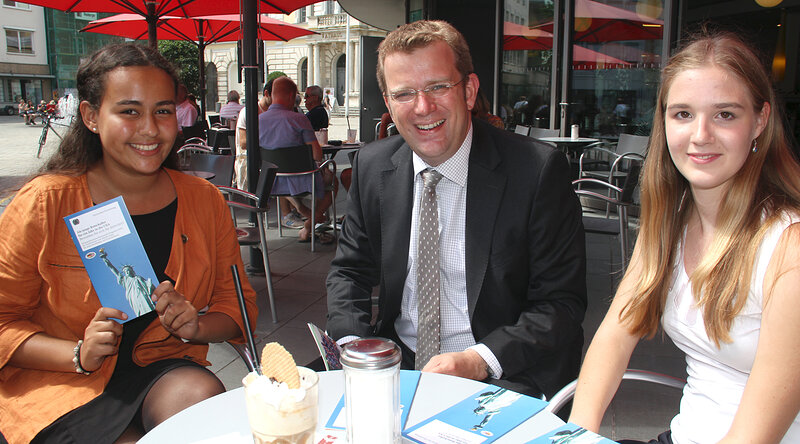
column 80, row 147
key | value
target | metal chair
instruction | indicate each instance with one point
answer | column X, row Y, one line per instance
column 614, row 162
column 621, row 198
column 243, row 353
column 257, row 203
column 299, row 161
column 565, row 395
column 220, row 165
column 186, row 151
column 537, row 133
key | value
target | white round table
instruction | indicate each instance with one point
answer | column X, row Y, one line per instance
column 223, row 418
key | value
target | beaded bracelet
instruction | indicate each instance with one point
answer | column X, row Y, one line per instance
column 76, row 359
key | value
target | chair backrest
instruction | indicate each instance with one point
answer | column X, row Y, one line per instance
column 537, row 133
column 629, row 143
column 196, row 130
column 212, row 119
column 293, row 159
column 221, row 166
column 266, row 178
column 522, row 129
column 631, row 181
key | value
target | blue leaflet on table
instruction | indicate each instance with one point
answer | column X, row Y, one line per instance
column 482, row 417
column 409, row 380
column 114, row 257
column 571, row 434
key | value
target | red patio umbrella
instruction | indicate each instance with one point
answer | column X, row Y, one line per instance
column 200, row 30
column 597, row 22
column 520, row 37
column 152, row 10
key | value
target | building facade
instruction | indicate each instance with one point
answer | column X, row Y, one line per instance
column 67, row 46
column 319, row 59
column 24, row 72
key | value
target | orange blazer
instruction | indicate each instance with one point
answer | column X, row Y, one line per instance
column 45, row 288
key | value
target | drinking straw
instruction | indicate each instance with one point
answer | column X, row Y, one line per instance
column 251, row 343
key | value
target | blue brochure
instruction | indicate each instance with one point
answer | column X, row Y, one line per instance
column 480, row 418
column 114, row 257
column 409, row 379
column 571, row 434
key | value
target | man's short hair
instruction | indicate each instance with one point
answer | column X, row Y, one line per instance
column 268, row 85
column 421, row 34
column 314, row 90
column 233, row 96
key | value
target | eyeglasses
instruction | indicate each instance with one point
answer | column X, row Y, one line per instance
column 408, row 95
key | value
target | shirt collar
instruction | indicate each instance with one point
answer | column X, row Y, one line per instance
column 455, row 168
column 278, row 106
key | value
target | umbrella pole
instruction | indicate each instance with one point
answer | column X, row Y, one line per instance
column 250, row 66
column 202, row 47
column 152, row 22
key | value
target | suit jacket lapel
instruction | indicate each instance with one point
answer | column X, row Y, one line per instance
column 484, row 193
column 396, row 194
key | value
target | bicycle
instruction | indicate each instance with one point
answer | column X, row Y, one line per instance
column 48, row 125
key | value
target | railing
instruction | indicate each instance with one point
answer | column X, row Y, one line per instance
column 329, row 20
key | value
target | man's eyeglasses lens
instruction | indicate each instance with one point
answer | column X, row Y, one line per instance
column 437, row 90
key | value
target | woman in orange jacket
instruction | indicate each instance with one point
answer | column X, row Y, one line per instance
column 69, row 372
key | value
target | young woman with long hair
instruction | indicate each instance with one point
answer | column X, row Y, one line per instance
column 69, row 372
column 717, row 256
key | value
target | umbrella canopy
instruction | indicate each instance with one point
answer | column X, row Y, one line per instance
column 520, row 37
column 597, row 22
column 152, row 10
column 202, row 31
column 585, row 58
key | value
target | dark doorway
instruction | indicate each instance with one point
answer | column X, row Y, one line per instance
column 303, row 75
column 372, row 106
column 341, row 74
column 212, row 92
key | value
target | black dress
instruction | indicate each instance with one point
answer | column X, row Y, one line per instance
column 106, row 417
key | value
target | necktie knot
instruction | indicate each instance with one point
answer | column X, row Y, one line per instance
column 431, row 177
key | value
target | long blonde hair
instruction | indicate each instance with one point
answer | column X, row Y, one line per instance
column 767, row 184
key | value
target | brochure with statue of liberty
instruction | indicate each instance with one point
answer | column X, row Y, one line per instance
column 114, row 257
column 482, row 417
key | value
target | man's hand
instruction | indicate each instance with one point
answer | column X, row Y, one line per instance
column 466, row 364
column 177, row 315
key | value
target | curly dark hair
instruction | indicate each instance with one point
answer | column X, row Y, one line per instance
column 80, row 147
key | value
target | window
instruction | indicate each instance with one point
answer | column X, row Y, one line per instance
column 19, row 42
column 329, row 7
column 17, row 5
column 86, row 16
column 301, row 15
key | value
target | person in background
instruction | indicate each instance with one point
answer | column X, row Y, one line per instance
column 716, row 258
column 280, row 127
column 69, row 370
column 481, row 111
column 21, row 110
column 503, row 294
column 230, row 110
column 240, row 164
column 186, row 111
column 316, row 111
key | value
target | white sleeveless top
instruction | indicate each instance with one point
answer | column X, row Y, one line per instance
column 717, row 376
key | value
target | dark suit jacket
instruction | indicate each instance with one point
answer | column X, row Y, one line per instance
column 525, row 253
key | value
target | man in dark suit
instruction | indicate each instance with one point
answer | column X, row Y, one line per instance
column 510, row 252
